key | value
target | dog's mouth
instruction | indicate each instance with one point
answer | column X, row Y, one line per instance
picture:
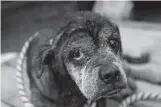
column 110, row 93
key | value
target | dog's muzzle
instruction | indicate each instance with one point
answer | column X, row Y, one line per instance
column 111, row 75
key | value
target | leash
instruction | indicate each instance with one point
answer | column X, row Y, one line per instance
column 23, row 96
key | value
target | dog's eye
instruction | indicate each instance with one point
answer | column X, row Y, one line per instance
column 76, row 54
column 114, row 44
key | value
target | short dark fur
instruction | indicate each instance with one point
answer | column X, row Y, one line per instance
column 54, row 86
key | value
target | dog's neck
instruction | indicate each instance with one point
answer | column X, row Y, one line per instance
column 69, row 91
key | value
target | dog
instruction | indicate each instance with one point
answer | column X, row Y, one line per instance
column 79, row 59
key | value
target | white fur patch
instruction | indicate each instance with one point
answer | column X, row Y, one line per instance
column 76, row 74
column 89, row 82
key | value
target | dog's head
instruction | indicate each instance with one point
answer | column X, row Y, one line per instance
column 88, row 48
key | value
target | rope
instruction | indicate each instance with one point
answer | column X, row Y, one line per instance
column 27, row 103
column 140, row 96
column 20, row 80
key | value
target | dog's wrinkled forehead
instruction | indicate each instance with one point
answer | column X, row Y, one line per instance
column 92, row 25
column 80, row 40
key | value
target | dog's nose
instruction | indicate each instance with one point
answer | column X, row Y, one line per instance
column 109, row 75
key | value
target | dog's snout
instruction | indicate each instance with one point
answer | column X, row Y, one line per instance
column 109, row 75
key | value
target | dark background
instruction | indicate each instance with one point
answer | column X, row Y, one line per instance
column 21, row 19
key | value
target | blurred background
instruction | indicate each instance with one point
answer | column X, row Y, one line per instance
column 23, row 18
column 139, row 23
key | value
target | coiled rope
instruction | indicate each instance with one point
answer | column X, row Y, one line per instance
column 27, row 103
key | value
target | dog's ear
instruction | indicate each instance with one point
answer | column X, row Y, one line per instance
column 44, row 54
column 40, row 55
column 43, row 58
